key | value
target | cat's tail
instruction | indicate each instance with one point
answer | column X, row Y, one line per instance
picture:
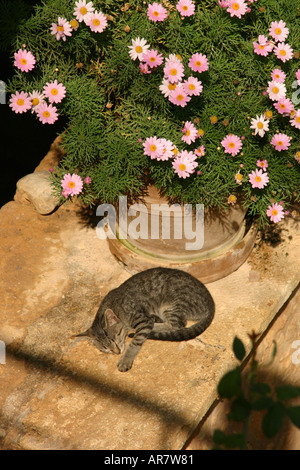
column 180, row 334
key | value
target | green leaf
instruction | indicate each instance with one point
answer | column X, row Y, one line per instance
column 240, row 409
column 219, row 437
column 294, row 415
column 285, row 392
column 260, row 388
column 262, row 403
column 239, row 349
column 232, row 441
column 273, row 419
column 230, row 383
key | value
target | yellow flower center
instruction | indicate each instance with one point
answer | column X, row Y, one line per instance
column 261, row 46
column 191, row 86
column 20, row 102
column 231, row 145
column 274, row 212
column 275, row 89
column 278, row 31
column 232, row 198
column 298, row 119
column 188, row 132
column 235, row 6
column 277, row 75
column 185, row 7
column 155, row 13
column 258, row 179
column 198, row 63
column 175, row 151
column 71, row 184
column 180, row 97
column 74, row 23
column 60, row 28
column 152, row 148
column 283, row 52
column 46, row 114
column 173, row 72
column 280, row 142
column 239, row 176
column 138, row 49
column 172, row 86
column 54, row 91
column 152, row 59
column 96, row 22
column 200, row 132
column 35, row 101
column 182, row 167
column 83, row 10
column 268, row 114
column 260, row 125
column 23, row 61
column 282, row 106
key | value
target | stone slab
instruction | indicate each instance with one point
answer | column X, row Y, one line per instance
column 62, row 394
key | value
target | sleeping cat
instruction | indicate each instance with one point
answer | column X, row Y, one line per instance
column 155, row 304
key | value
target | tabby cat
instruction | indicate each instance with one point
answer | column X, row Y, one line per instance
column 155, row 304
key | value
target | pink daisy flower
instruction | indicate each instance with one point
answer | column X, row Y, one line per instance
column 153, row 147
column 87, row 180
column 263, row 46
column 179, row 96
column 258, row 179
column 156, row 12
column 36, row 99
column 167, row 87
column 276, row 90
column 262, row 164
column 71, row 184
column 138, row 48
column 280, row 142
column 275, row 212
column 24, row 60
column 237, row 8
column 153, row 58
column 190, row 133
column 298, row 76
column 278, row 31
column 167, row 152
column 47, row 114
column 295, row 120
column 54, row 91
column 184, row 164
column 144, row 68
column 174, row 71
column 192, row 86
column 284, row 106
column 20, row 102
column 96, row 21
column 223, row 3
column 200, row 151
column 283, row 51
column 186, row 7
column 82, row 9
column 198, row 62
column 232, row 144
column 62, row 30
column 278, row 75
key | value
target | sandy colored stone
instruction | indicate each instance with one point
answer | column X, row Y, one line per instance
column 36, row 188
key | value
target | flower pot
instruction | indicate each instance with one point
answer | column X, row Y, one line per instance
column 223, row 245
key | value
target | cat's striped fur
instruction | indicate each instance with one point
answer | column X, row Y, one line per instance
column 155, row 304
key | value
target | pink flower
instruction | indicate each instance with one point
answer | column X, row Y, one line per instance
column 198, row 62
column 96, row 21
column 87, row 180
column 144, row 68
column 295, row 120
column 47, row 114
column 192, row 86
column 156, row 12
column 278, row 75
column 275, row 212
column 24, row 60
column 82, row 9
column 224, row 3
column 20, row 102
column 200, row 151
column 262, row 164
column 184, row 164
column 284, row 106
column 237, row 8
column 190, row 133
column 258, row 179
column 167, row 151
column 278, row 31
column 276, row 90
column 179, row 96
column 71, row 184
column 283, row 51
column 186, row 7
column 232, row 144
column 153, row 147
column 62, row 30
column 54, row 91
column 152, row 58
column 166, row 87
column 36, row 99
column 298, row 76
column 280, row 142
column 263, row 46
column 173, row 71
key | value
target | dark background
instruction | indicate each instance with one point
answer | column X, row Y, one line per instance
column 24, row 139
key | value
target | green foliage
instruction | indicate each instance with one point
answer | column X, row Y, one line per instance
column 247, row 395
column 112, row 107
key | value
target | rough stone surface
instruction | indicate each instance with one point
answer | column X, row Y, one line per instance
column 36, row 188
column 56, row 393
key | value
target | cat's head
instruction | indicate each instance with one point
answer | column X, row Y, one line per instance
column 110, row 337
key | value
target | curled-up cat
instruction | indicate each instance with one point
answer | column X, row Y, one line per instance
column 155, row 304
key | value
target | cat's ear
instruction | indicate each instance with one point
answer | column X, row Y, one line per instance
column 110, row 317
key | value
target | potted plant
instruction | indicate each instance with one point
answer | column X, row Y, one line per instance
column 199, row 99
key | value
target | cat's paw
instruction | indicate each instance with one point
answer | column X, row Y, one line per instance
column 124, row 365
